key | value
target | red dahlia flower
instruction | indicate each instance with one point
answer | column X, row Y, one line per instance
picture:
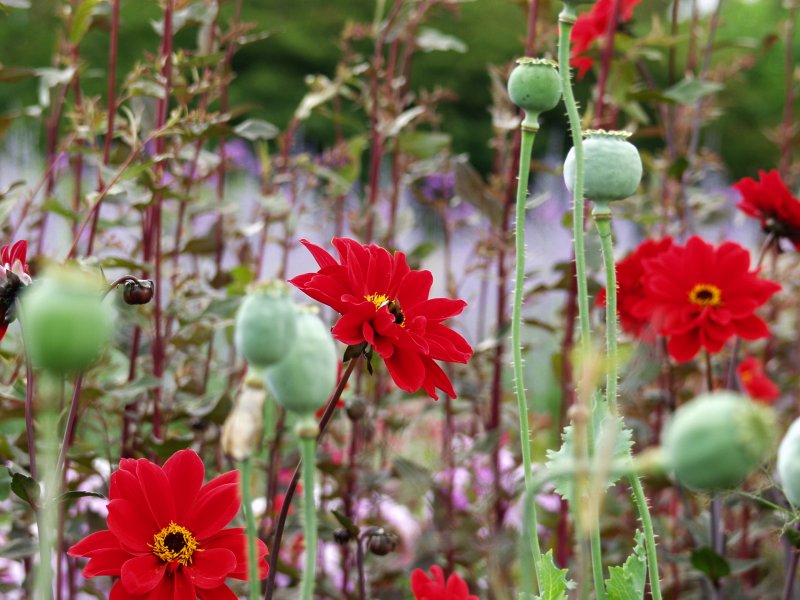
column 699, row 296
column 591, row 26
column 770, row 201
column 435, row 588
column 14, row 276
column 755, row 382
column 385, row 303
column 166, row 536
column 630, row 288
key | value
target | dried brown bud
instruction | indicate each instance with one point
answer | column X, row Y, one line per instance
column 356, row 409
column 342, row 536
column 138, row 291
column 382, row 543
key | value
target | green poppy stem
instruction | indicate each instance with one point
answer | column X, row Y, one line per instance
column 308, row 453
column 246, row 467
column 602, row 219
column 566, row 20
column 526, row 148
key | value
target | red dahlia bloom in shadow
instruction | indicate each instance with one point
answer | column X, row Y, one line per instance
column 755, row 382
column 385, row 303
column 591, row 26
column 166, row 535
column 700, row 296
column 771, row 202
column 14, row 276
column 630, row 288
column 435, row 587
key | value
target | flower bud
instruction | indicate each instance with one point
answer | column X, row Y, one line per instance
column 356, row 409
column 265, row 325
column 342, row 536
column 65, row 323
column 789, row 463
column 137, row 291
column 382, row 543
column 534, row 86
column 612, row 166
column 305, row 379
column 716, row 440
column 244, row 426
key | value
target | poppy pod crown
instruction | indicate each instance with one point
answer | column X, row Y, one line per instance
column 534, row 86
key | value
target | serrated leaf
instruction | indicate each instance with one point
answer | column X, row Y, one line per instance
column 553, row 581
column 601, row 425
column 628, row 581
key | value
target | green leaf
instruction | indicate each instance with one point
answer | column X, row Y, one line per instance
column 423, row 144
column 707, row 561
column 346, row 523
column 689, row 91
column 553, row 581
column 603, row 424
column 26, row 488
column 72, row 495
column 256, row 129
column 81, row 20
column 628, row 581
column 430, row 40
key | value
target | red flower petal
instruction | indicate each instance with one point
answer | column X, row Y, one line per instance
column 106, row 562
column 131, row 525
column 142, row 574
column 185, row 472
column 211, row 567
column 222, row 592
column 214, row 511
column 95, row 542
column 157, row 492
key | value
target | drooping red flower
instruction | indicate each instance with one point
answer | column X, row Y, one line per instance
column 14, row 276
column 700, row 296
column 771, row 202
column 436, row 588
column 630, row 288
column 385, row 303
column 755, row 382
column 591, row 26
column 166, row 535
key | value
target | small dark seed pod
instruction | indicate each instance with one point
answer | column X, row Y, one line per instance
column 138, row 291
column 382, row 544
column 342, row 536
column 356, row 409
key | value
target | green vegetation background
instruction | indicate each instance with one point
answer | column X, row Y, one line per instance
column 304, row 40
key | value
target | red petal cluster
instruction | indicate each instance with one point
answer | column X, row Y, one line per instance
column 755, row 382
column 591, row 26
column 771, row 202
column 436, row 588
column 14, row 275
column 385, row 303
column 154, row 512
column 699, row 296
column 631, row 291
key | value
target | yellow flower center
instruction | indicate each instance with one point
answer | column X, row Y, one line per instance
column 393, row 306
column 174, row 544
column 705, row 294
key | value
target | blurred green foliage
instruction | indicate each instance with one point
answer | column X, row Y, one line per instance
column 304, row 39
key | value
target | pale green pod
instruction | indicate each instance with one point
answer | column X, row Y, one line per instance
column 535, row 87
column 716, row 440
column 304, row 380
column 265, row 325
column 789, row 463
column 66, row 325
column 612, row 166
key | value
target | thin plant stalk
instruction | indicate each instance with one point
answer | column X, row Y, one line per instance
column 308, row 452
column 602, row 219
column 566, row 20
column 526, row 147
column 246, row 466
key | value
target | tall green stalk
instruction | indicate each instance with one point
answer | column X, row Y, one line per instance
column 254, row 592
column 526, row 147
column 308, row 453
column 566, row 20
column 602, row 219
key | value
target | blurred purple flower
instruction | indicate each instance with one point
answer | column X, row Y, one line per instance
column 439, row 186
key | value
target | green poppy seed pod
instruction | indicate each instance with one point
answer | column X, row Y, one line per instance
column 265, row 325
column 305, row 379
column 716, row 440
column 65, row 323
column 612, row 167
column 534, row 86
column 789, row 463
